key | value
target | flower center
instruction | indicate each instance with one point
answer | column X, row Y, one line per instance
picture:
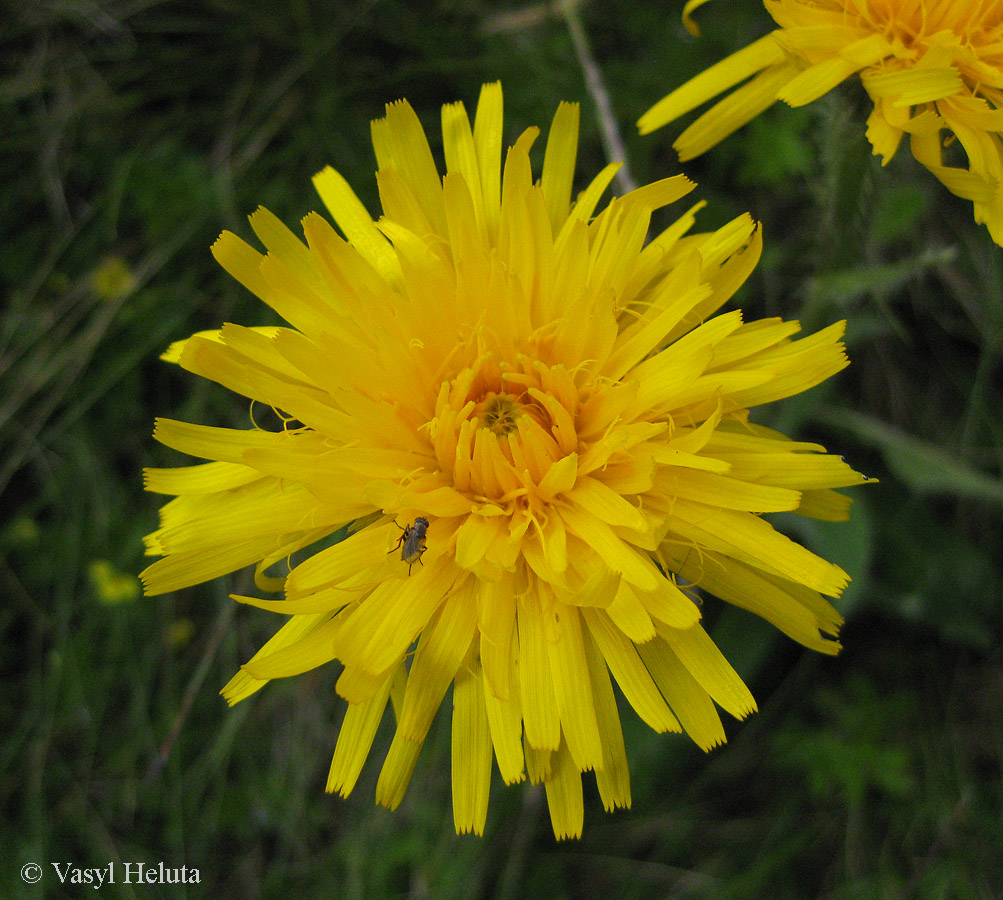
column 914, row 23
column 499, row 412
column 500, row 426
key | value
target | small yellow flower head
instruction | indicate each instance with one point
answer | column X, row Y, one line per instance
column 111, row 585
column 113, row 278
column 928, row 65
column 538, row 429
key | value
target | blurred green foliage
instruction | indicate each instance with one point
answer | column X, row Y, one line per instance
column 134, row 133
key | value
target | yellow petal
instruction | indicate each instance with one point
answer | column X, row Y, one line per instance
column 395, row 776
column 585, row 203
column 830, row 506
column 559, row 163
column 181, row 570
column 670, row 605
column 690, row 702
column 471, row 753
column 707, row 665
column 443, row 645
column 744, row 587
column 629, row 615
column 355, row 738
column 330, row 600
column 601, row 501
column 734, row 111
column 378, row 632
column 560, row 477
column 573, row 690
column 751, row 540
column 884, row 137
column 204, row 479
column 242, row 685
column 613, row 778
column 727, row 492
column 909, row 87
column 505, row 724
column 564, row 795
column 474, row 537
column 536, row 682
column 339, row 562
column 667, row 374
column 496, row 600
column 308, row 652
column 806, row 470
column 241, row 261
column 461, row 158
column 750, row 339
column 628, row 670
column 173, row 353
column 400, row 143
column 488, row 143
column 538, row 764
column 746, row 62
column 620, row 556
column 822, row 77
column 280, row 240
column 356, row 223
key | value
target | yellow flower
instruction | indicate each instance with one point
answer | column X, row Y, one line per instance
column 113, row 278
column 111, row 585
column 928, row 65
column 538, row 430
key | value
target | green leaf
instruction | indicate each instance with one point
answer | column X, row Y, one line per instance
column 837, row 288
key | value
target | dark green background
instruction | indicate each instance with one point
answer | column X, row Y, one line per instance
column 133, row 133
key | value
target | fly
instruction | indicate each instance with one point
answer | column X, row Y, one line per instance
column 413, row 539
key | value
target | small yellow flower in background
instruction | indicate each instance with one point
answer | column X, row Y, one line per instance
column 113, row 278
column 23, row 532
column 111, row 585
column 179, row 633
column 538, row 428
column 928, row 65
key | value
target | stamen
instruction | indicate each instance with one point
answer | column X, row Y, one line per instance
column 500, row 413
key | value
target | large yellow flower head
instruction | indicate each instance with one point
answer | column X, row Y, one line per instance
column 538, row 430
column 929, row 66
